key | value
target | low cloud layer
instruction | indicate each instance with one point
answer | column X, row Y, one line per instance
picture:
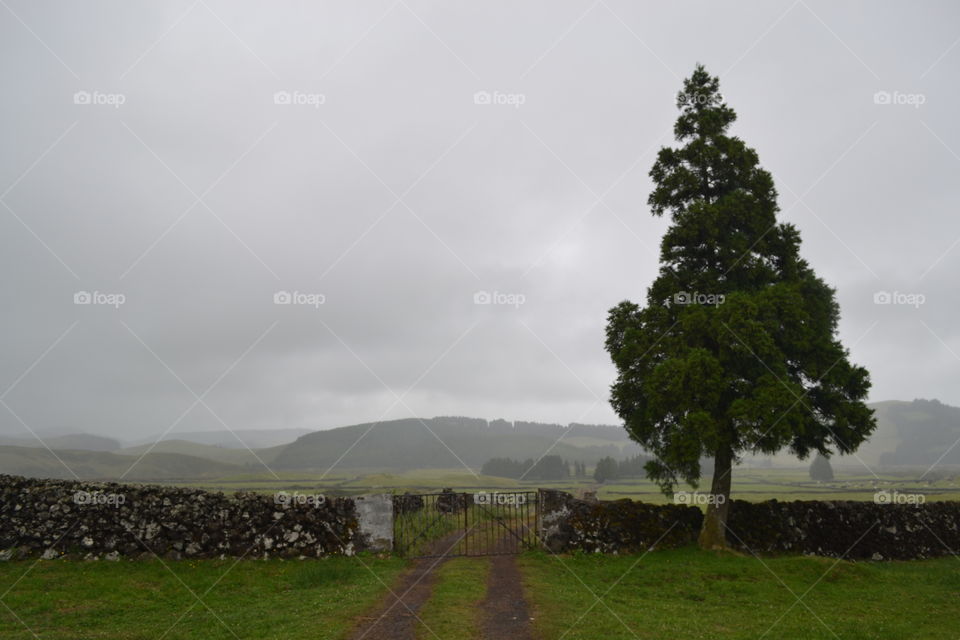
column 447, row 200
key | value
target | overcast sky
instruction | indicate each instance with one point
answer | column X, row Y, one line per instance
column 197, row 158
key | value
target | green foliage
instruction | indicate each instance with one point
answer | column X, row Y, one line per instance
column 736, row 349
column 606, row 469
column 634, row 467
column 820, row 469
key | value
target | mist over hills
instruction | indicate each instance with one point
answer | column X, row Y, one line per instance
column 226, row 455
column 449, row 442
column 81, row 441
column 920, row 434
column 97, row 465
column 927, row 432
column 238, row 439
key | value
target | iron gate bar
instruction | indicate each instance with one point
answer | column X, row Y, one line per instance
column 498, row 527
column 423, row 533
column 501, row 523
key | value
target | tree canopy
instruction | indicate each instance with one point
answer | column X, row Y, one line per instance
column 735, row 349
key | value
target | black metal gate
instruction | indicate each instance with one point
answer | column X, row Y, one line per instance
column 480, row 523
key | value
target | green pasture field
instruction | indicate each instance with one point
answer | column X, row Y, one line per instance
column 681, row 594
column 688, row 593
column 750, row 484
column 453, row 612
column 211, row 599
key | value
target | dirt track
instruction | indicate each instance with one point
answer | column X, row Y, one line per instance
column 504, row 610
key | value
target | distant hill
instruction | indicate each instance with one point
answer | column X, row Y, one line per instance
column 909, row 434
column 81, row 441
column 884, row 440
column 95, row 465
column 252, row 438
column 211, row 452
column 447, row 442
column 927, row 433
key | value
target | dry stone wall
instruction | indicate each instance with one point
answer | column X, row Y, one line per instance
column 839, row 529
column 50, row 518
column 54, row 517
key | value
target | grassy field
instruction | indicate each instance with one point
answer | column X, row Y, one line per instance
column 452, row 613
column 133, row 600
column 677, row 594
column 756, row 485
column 748, row 484
column 688, row 593
column 355, row 482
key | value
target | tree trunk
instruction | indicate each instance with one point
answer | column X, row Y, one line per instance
column 713, row 534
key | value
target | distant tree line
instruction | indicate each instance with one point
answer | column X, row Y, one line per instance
column 546, row 468
column 610, row 469
column 556, row 468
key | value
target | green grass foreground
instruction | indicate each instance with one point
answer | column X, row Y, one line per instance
column 145, row 599
column 676, row 594
column 453, row 610
column 688, row 593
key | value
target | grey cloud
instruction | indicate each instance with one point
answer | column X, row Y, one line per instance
column 501, row 198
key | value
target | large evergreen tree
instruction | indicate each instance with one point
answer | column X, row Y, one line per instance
column 736, row 349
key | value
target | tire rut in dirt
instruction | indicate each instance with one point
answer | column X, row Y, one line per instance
column 396, row 617
column 506, row 616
